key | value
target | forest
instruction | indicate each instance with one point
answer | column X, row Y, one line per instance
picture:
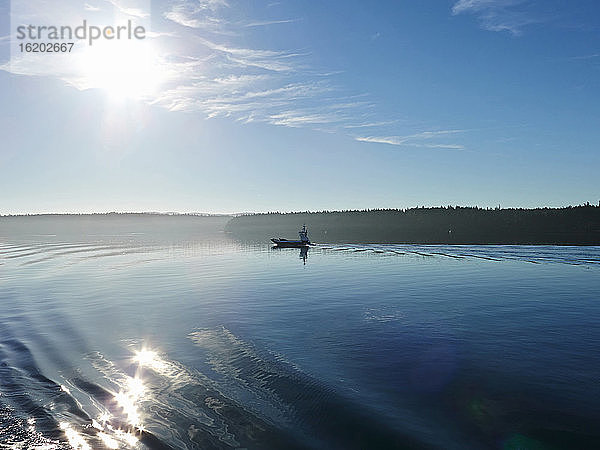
column 576, row 225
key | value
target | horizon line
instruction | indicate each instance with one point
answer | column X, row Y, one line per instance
column 235, row 214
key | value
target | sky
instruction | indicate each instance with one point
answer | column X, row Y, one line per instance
column 233, row 106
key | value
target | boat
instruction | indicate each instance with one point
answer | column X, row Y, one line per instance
column 303, row 242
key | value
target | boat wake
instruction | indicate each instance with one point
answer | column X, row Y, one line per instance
column 536, row 254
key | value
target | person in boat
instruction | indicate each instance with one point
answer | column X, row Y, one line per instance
column 303, row 233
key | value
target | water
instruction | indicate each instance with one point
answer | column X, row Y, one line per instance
column 163, row 332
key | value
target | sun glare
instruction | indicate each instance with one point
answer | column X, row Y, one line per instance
column 76, row 440
column 149, row 358
column 128, row 399
column 124, row 69
column 144, row 357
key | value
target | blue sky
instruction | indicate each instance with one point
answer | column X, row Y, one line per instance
column 231, row 106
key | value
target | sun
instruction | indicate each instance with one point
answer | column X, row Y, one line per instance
column 123, row 69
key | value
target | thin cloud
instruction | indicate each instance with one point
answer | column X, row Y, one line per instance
column 448, row 146
column 586, row 57
column 91, row 8
column 209, row 72
column 178, row 16
column 371, row 124
column 299, row 119
column 157, row 34
column 213, row 5
column 275, row 61
column 182, row 18
column 269, row 22
column 419, row 140
column 391, row 140
column 200, row 14
column 122, row 7
column 498, row 15
column 433, row 134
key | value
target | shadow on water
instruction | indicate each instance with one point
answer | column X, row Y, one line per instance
column 303, row 251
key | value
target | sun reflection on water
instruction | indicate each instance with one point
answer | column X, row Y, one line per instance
column 132, row 392
column 112, row 437
column 129, row 438
column 108, row 441
column 121, row 425
column 129, row 398
column 150, row 359
column 120, row 421
column 76, row 440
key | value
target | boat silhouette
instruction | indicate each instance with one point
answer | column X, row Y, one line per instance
column 303, row 242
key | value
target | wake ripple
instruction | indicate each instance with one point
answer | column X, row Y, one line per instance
column 279, row 391
column 535, row 254
column 37, row 412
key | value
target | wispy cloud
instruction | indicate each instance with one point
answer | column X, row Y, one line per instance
column 207, row 68
column 91, row 8
column 432, row 134
column 264, row 59
column 391, row 140
column 125, row 7
column 448, row 146
column 200, row 14
column 299, row 118
column 498, row 15
column 178, row 15
column 371, row 124
column 262, row 23
column 249, row 98
column 420, row 140
column 586, row 57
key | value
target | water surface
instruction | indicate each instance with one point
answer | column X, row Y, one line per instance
column 164, row 332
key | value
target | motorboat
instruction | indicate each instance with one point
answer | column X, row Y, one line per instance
column 303, row 242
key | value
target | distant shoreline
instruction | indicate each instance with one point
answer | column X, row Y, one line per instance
column 573, row 225
column 96, row 214
column 272, row 213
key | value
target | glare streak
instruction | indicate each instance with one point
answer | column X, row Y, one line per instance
column 76, row 440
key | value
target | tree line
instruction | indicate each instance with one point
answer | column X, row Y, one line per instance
column 577, row 225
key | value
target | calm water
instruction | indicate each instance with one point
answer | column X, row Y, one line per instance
column 165, row 333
